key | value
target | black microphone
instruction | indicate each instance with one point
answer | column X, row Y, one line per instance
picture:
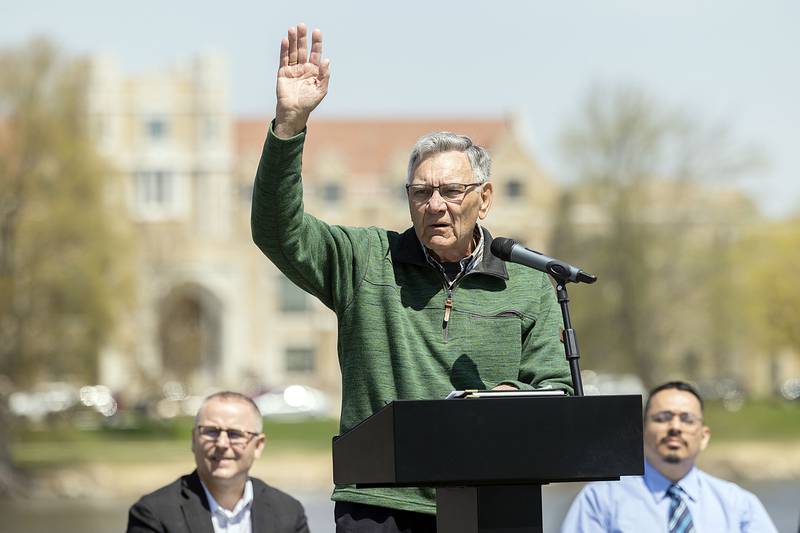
column 511, row 250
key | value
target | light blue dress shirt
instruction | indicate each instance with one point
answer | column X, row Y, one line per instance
column 640, row 504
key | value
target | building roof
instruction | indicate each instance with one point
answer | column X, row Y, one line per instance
column 366, row 146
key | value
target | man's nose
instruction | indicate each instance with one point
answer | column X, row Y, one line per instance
column 436, row 203
column 223, row 441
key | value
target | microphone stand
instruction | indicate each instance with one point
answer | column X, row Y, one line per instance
column 562, row 273
column 568, row 336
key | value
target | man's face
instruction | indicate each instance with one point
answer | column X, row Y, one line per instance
column 446, row 227
column 220, row 459
column 674, row 441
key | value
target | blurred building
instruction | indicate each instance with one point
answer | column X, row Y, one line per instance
column 212, row 311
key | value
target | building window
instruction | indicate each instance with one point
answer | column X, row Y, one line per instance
column 514, row 188
column 156, row 129
column 154, row 188
column 292, row 298
column 331, row 193
column 300, row 360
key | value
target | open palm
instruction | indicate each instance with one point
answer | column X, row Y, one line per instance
column 302, row 79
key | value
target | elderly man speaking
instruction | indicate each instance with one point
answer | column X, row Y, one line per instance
column 420, row 312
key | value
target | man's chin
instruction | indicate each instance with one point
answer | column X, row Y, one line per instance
column 222, row 470
column 671, row 458
column 439, row 242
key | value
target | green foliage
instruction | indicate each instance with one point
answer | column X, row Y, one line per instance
column 62, row 278
column 767, row 259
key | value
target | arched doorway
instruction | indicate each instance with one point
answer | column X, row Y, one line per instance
column 190, row 333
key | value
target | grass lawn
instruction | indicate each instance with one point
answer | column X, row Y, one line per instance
column 774, row 420
column 63, row 444
column 152, row 442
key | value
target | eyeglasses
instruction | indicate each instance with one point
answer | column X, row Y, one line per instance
column 237, row 437
column 687, row 419
column 450, row 192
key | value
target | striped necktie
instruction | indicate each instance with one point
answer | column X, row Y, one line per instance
column 680, row 519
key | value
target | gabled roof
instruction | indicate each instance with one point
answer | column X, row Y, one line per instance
column 367, row 146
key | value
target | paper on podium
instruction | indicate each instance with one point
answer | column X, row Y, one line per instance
column 458, row 394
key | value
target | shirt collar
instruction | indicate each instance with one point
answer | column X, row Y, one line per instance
column 658, row 484
column 243, row 504
column 406, row 248
column 467, row 263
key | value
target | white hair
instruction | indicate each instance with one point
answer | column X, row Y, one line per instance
column 445, row 141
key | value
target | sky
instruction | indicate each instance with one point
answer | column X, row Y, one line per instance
column 725, row 62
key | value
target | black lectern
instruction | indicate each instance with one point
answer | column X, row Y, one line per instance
column 488, row 458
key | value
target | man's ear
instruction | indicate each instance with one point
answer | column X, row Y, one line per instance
column 260, row 443
column 705, row 437
column 487, row 194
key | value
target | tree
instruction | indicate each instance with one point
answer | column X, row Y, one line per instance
column 62, row 248
column 767, row 259
column 644, row 172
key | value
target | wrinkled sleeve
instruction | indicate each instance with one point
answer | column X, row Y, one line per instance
column 324, row 260
column 754, row 515
column 587, row 514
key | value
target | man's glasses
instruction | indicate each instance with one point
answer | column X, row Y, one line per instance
column 237, row 437
column 687, row 419
column 450, row 192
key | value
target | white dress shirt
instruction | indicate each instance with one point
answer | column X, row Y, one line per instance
column 235, row 521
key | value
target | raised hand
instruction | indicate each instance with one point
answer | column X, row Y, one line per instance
column 302, row 80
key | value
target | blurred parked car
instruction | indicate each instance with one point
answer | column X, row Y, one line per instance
column 601, row 383
column 728, row 390
column 61, row 398
column 790, row 389
column 295, row 402
column 43, row 400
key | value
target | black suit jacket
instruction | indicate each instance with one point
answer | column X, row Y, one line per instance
column 182, row 507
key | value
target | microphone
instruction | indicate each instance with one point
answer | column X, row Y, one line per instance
column 511, row 250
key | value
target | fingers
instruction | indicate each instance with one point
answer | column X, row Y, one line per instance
column 302, row 43
column 324, row 72
column 292, row 45
column 316, row 47
column 294, row 48
column 284, row 60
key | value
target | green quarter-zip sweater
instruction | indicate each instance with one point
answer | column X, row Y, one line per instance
column 402, row 334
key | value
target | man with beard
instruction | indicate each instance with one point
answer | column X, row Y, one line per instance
column 674, row 495
column 220, row 495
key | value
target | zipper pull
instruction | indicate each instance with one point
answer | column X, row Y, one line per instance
column 448, row 306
